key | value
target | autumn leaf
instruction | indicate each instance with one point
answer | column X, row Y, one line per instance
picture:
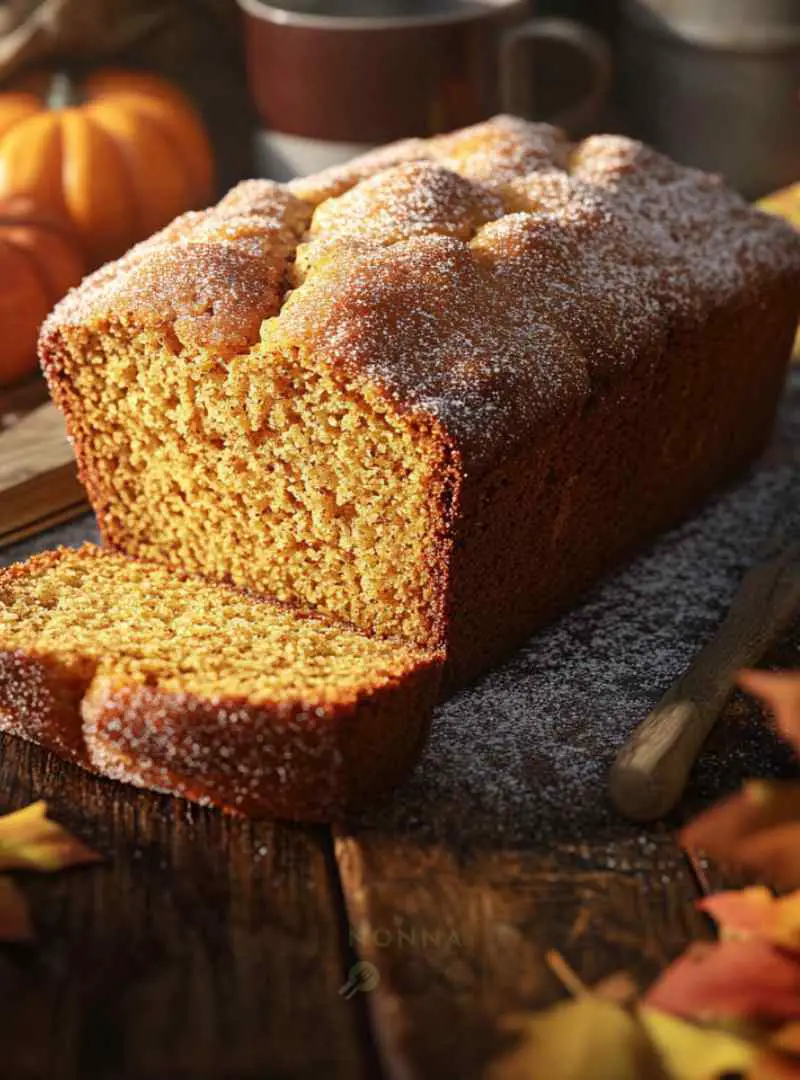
column 768, row 1066
column 29, row 840
column 589, row 1038
column 15, row 920
column 758, row 828
column 725, row 980
column 755, row 912
column 780, row 692
column 690, row 1052
column 787, row 1038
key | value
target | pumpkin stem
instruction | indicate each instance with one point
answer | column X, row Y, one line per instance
column 63, row 92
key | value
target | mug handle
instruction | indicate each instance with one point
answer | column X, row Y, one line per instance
column 583, row 40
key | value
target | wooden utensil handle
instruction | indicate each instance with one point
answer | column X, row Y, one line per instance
column 651, row 770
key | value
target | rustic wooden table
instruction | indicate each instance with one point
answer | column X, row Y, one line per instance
column 211, row 947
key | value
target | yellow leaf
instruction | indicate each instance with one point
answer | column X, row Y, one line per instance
column 696, row 1053
column 786, row 204
column 15, row 920
column 29, row 840
column 588, row 1038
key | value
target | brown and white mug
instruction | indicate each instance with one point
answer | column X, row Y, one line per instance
column 333, row 78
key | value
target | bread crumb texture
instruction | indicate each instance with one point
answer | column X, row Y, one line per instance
column 181, row 634
column 151, row 676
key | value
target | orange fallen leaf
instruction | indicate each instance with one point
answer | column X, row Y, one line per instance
column 787, row 1038
column 726, row 980
column 758, row 828
column 780, row 692
column 15, row 920
column 756, row 912
column 769, row 1066
column 29, row 840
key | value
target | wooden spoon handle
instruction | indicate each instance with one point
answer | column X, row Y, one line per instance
column 651, row 770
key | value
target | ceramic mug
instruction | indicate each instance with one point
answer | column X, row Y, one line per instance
column 732, row 68
column 333, row 78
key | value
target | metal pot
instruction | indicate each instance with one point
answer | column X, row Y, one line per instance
column 716, row 84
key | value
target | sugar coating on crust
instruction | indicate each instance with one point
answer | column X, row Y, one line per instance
column 212, row 276
column 479, row 278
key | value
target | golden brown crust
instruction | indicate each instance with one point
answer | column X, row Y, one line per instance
column 280, row 760
column 40, row 700
column 486, row 279
column 212, row 276
column 307, row 764
column 540, row 528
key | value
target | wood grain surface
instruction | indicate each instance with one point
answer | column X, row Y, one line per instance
column 459, row 942
column 204, row 946
column 458, row 936
column 39, row 487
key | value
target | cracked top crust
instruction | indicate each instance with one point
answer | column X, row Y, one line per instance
column 487, row 278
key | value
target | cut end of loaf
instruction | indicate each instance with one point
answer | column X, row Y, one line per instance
column 265, row 470
column 152, row 677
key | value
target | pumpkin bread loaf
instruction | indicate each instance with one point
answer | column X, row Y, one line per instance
column 147, row 676
column 434, row 393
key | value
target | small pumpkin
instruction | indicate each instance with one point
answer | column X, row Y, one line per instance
column 119, row 155
column 40, row 259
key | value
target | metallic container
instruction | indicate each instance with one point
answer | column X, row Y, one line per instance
column 716, row 84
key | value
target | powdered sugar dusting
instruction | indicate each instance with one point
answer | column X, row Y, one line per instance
column 486, row 278
column 523, row 755
column 415, row 279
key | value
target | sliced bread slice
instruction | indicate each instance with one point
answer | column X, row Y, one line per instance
column 168, row 682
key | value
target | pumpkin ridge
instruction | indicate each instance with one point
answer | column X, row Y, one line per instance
column 129, row 153
column 25, row 169
column 90, row 215
column 200, row 185
column 24, row 111
column 15, row 361
column 53, row 289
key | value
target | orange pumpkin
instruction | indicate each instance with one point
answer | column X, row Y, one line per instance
column 40, row 259
column 119, row 156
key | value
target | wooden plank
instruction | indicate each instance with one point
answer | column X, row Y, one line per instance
column 39, row 485
column 205, row 946
column 457, row 932
column 458, row 942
